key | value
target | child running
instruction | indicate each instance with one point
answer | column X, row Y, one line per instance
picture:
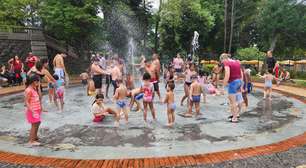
column 148, row 90
column 59, row 92
column 99, row 111
column 120, row 96
column 195, row 96
column 169, row 100
column 33, row 108
column 190, row 71
column 268, row 84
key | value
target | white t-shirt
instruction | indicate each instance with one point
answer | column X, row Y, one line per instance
column 96, row 109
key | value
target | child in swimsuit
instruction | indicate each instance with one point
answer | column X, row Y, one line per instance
column 190, row 71
column 84, row 77
column 100, row 112
column 33, row 108
column 202, row 79
column 59, row 92
column 148, row 89
column 170, row 104
column 120, row 96
column 91, row 90
column 135, row 95
column 268, row 84
column 195, row 96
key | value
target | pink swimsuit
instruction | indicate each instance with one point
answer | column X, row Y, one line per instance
column 148, row 93
column 34, row 115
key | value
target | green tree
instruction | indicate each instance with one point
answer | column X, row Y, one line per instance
column 179, row 20
column 251, row 53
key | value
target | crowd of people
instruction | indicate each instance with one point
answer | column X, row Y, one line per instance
column 113, row 71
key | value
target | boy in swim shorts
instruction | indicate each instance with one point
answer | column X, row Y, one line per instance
column 195, row 96
column 120, row 96
column 169, row 100
column 135, row 95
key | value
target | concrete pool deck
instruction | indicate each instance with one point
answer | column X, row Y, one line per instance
column 191, row 143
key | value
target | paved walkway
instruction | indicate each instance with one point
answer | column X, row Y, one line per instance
column 282, row 154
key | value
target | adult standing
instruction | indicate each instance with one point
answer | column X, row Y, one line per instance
column 17, row 68
column 156, row 69
column 232, row 79
column 59, row 66
column 270, row 62
column 31, row 60
column 141, row 64
column 49, row 79
column 97, row 73
column 178, row 63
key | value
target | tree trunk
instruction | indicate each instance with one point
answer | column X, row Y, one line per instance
column 225, row 25
column 157, row 26
column 145, row 26
column 232, row 26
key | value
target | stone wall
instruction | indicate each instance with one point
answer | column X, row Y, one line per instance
column 10, row 48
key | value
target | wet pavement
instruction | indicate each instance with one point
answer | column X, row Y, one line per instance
column 72, row 134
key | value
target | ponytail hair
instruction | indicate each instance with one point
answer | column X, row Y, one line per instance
column 98, row 96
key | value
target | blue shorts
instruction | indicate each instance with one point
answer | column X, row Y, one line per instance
column 121, row 103
column 234, row 86
column 196, row 99
column 139, row 96
column 173, row 106
column 268, row 84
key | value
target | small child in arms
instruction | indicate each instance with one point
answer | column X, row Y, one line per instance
column 84, row 77
column 91, row 90
column 120, row 96
column 99, row 111
column 169, row 100
column 195, row 96
column 59, row 92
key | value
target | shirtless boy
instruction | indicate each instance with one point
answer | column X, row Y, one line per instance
column 59, row 66
column 84, row 77
column 195, row 96
column 115, row 75
column 120, row 96
column 91, row 90
column 169, row 100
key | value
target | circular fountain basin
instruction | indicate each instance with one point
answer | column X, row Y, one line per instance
column 72, row 134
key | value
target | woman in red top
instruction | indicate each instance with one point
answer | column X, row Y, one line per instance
column 17, row 68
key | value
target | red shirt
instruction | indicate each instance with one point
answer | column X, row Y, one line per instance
column 17, row 65
column 31, row 60
column 235, row 72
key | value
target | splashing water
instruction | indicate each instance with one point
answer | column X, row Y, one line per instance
column 131, row 55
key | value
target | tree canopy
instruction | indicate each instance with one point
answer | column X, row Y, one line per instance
column 279, row 25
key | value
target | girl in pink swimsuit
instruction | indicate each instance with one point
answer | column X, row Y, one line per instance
column 148, row 89
column 33, row 108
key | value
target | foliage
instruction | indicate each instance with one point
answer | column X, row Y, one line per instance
column 251, row 53
column 179, row 20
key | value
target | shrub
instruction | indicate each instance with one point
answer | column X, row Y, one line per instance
column 251, row 53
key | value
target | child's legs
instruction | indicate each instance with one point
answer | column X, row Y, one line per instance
column 111, row 111
column 173, row 116
column 190, row 108
column 169, row 116
column 270, row 92
column 125, row 110
column 33, row 131
column 197, row 107
column 245, row 98
column 152, row 110
column 62, row 103
column 50, row 93
column 138, row 107
column 145, row 109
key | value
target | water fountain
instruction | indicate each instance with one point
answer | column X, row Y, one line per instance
column 195, row 46
column 131, row 56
